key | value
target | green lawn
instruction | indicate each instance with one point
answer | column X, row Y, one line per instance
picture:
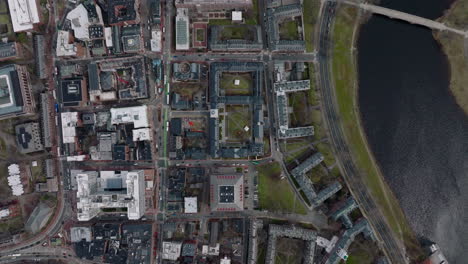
column 359, row 259
column 200, row 34
column 3, row 7
column 266, row 145
column 220, row 22
column 235, row 32
column 312, row 94
column 311, row 11
column 38, row 172
column 288, row 30
column 453, row 46
column 300, row 109
column 11, row 225
column 290, row 157
column 289, row 148
column 239, row 116
column 4, row 19
column 3, row 148
column 293, row 144
column 275, row 194
column 344, row 75
column 227, row 83
column 457, row 15
column 325, row 149
column 251, row 19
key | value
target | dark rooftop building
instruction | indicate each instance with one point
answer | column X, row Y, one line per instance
column 155, row 7
column 121, row 78
column 255, row 146
column 217, row 43
column 274, row 16
column 176, row 126
column 118, row 152
column 39, row 56
column 72, row 91
column 214, row 232
column 131, row 38
column 343, row 211
column 204, row 6
column 122, row 12
column 137, row 240
column 9, row 50
column 189, row 249
column 226, row 192
column 178, row 103
column 28, row 137
column 96, row 31
column 15, row 92
column 336, row 255
column 93, row 78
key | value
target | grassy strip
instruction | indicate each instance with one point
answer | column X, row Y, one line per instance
column 274, row 193
column 253, row 20
column 453, row 47
column 220, row 22
column 325, row 149
column 295, row 155
column 344, row 75
column 311, row 12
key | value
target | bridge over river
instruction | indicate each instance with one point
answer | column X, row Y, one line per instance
column 391, row 13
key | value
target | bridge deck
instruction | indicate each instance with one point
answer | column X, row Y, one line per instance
column 413, row 19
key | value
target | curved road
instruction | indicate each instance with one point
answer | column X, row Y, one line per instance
column 55, row 224
column 391, row 245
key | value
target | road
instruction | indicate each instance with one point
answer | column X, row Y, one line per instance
column 390, row 243
column 56, row 221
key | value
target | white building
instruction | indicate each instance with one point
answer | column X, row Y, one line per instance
column 24, row 14
column 171, row 250
column 14, row 180
column 190, row 205
column 108, row 37
column 79, row 22
column 64, row 47
column 4, row 213
column 141, row 134
column 138, row 115
column 69, row 123
column 108, row 189
column 237, row 16
column 156, row 37
column 225, row 260
column 182, row 29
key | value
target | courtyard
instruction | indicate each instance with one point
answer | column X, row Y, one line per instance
column 236, row 83
column 238, row 123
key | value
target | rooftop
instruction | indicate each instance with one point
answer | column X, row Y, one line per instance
column 121, row 11
column 24, row 14
column 190, row 205
column 110, row 189
column 15, row 91
column 137, row 115
column 79, row 22
column 8, row 50
column 171, row 250
column 226, row 192
column 182, row 29
column 28, row 137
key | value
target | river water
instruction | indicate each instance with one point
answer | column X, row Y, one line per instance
column 417, row 132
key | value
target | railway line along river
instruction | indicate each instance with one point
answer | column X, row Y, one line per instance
column 417, row 132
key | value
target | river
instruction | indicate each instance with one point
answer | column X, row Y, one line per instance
column 417, row 132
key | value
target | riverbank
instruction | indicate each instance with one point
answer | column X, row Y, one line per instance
column 455, row 48
column 344, row 66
